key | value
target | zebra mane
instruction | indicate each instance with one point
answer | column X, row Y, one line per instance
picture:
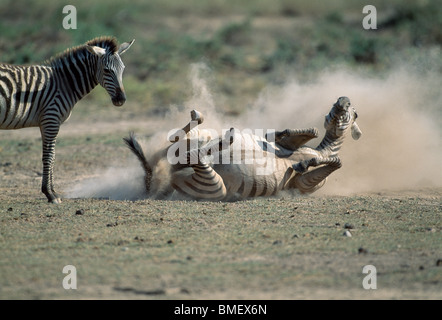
column 109, row 43
column 105, row 42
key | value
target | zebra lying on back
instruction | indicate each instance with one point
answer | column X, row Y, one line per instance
column 280, row 160
column 44, row 95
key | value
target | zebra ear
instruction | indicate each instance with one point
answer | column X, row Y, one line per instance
column 96, row 50
column 124, row 46
column 356, row 133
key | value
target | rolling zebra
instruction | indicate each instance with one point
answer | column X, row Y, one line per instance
column 243, row 165
column 44, row 95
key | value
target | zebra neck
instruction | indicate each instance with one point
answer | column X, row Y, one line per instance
column 330, row 145
column 75, row 72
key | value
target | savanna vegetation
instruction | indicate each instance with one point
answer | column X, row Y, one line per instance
column 278, row 248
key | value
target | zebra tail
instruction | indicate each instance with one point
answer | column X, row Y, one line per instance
column 136, row 148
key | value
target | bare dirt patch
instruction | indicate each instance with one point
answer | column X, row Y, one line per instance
column 287, row 247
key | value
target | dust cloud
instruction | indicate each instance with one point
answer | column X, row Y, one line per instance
column 400, row 120
column 113, row 183
column 399, row 116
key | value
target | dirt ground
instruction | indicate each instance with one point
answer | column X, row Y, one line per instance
column 288, row 247
column 280, row 67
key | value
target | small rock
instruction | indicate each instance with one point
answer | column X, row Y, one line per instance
column 348, row 226
column 439, row 263
column 276, row 242
column 112, row 224
column 10, row 209
column 169, row 241
column 122, row 242
column 79, row 212
column 347, row 233
column 362, row 250
column 185, row 291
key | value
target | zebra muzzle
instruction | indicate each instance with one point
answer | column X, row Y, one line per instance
column 119, row 99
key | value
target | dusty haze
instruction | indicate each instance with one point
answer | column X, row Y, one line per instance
column 399, row 116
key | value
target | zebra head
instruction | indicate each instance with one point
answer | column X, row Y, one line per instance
column 110, row 69
column 342, row 117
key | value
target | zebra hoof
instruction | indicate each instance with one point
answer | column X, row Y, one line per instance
column 196, row 116
column 56, row 201
column 300, row 167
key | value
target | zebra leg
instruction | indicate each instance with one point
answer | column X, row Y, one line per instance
column 49, row 135
column 217, row 145
column 308, row 182
column 292, row 139
column 196, row 119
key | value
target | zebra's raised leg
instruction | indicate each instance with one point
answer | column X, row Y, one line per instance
column 308, row 182
column 292, row 139
column 218, row 145
column 49, row 134
column 196, row 119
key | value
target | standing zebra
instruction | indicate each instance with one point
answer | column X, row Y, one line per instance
column 279, row 162
column 44, row 95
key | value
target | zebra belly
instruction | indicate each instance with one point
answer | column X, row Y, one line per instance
column 246, row 181
column 304, row 153
column 21, row 117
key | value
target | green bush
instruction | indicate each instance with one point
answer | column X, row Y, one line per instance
column 363, row 49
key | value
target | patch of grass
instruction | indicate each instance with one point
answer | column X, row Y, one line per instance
column 238, row 47
column 363, row 50
column 262, row 248
column 262, row 244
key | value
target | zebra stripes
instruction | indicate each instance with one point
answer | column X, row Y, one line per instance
column 14, row 81
column 203, row 182
column 340, row 118
column 282, row 164
column 44, row 95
